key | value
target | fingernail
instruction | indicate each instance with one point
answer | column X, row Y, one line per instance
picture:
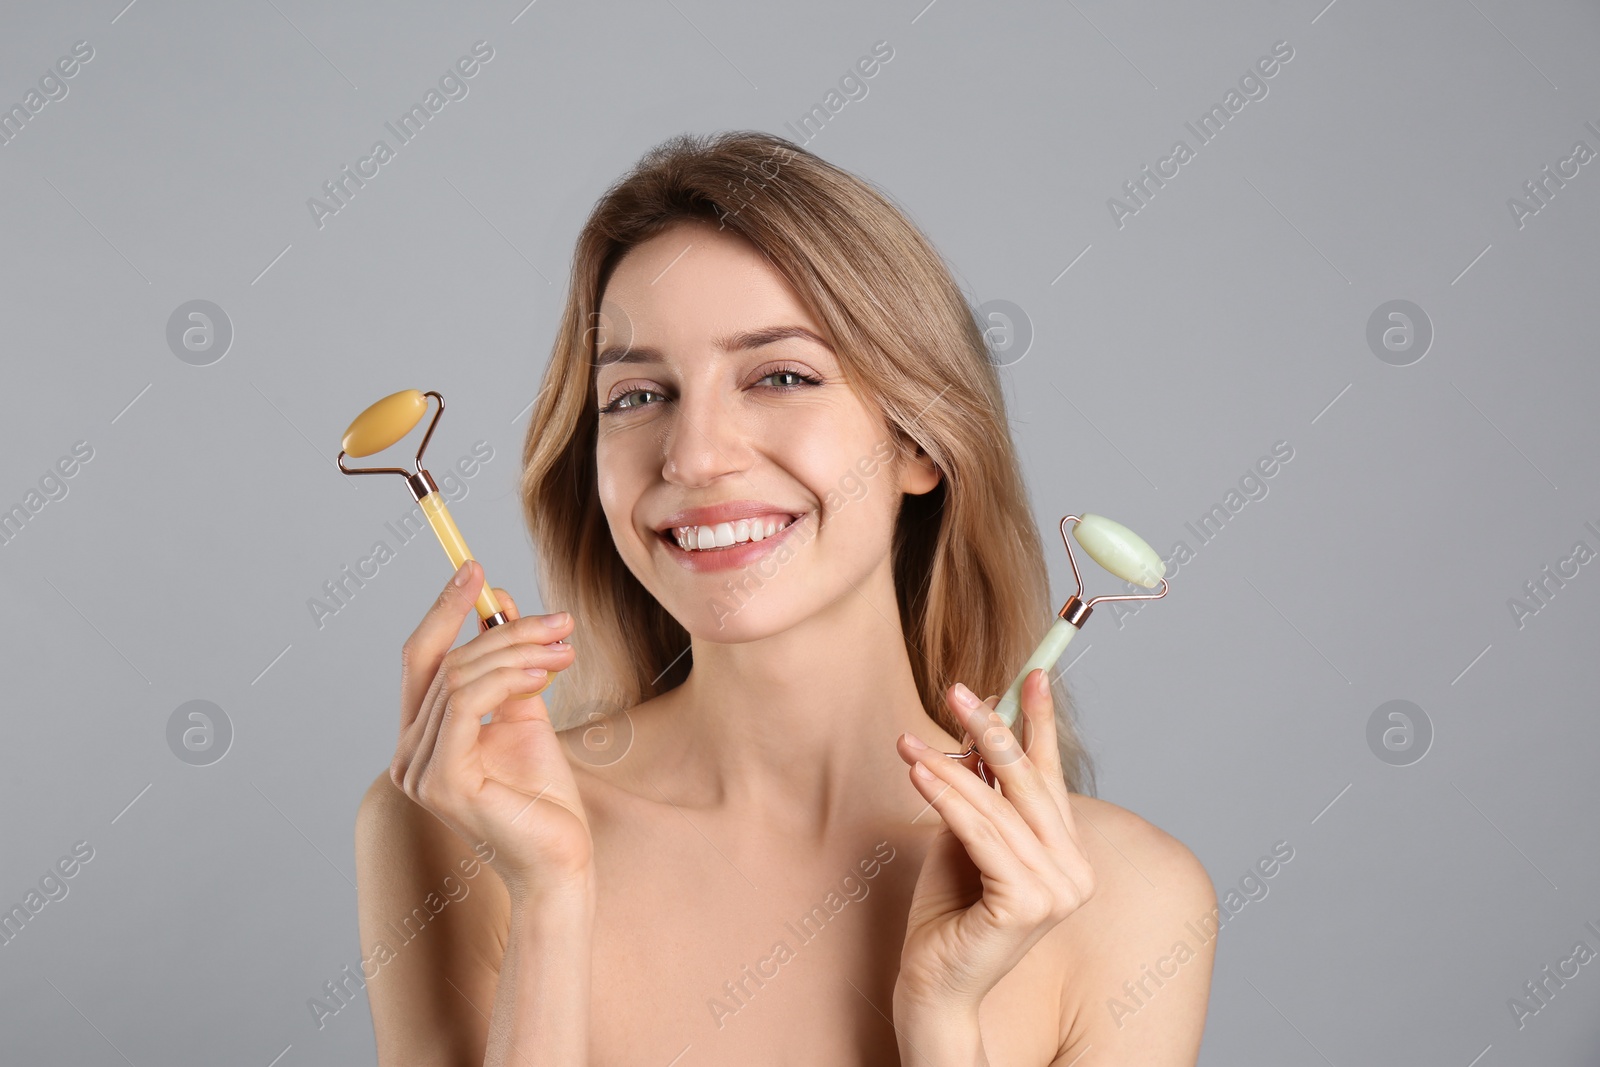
column 965, row 697
column 555, row 618
column 461, row 573
column 535, row 673
column 913, row 741
column 921, row 771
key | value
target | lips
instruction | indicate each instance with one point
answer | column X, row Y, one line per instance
column 733, row 534
column 729, row 511
column 713, row 537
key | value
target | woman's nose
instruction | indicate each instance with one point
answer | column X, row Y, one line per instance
column 704, row 442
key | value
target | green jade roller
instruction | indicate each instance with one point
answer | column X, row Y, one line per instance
column 382, row 425
column 1117, row 549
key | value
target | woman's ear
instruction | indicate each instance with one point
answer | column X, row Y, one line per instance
column 918, row 474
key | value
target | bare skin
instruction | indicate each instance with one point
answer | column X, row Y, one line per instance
column 773, row 784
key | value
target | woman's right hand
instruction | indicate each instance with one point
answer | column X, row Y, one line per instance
column 506, row 782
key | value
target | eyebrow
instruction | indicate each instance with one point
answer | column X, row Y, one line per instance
column 736, row 342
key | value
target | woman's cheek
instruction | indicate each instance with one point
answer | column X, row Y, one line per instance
column 618, row 495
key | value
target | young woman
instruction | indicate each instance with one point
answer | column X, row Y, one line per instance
column 771, row 482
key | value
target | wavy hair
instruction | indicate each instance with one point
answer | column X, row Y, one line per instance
column 969, row 567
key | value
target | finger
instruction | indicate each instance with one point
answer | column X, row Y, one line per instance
column 460, row 673
column 1041, row 744
column 425, row 649
column 554, row 624
column 527, row 639
column 508, row 608
column 528, row 655
column 1040, row 739
column 526, row 643
column 1020, row 780
column 465, row 708
column 997, row 838
column 1030, row 875
column 551, row 629
column 966, row 740
column 411, row 735
column 979, row 719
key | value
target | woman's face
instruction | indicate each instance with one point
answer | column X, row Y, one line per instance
column 746, row 484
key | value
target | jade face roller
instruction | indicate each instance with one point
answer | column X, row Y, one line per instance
column 1117, row 549
column 380, row 426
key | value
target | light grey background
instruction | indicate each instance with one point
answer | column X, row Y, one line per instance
column 1228, row 314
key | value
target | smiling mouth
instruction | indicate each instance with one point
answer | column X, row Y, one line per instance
column 723, row 535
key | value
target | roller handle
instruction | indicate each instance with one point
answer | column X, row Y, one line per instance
column 1045, row 655
column 455, row 546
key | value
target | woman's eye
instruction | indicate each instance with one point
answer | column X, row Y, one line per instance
column 630, row 400
column 783, row 379
column 796, row 377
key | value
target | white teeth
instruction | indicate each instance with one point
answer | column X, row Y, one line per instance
column 726, row 534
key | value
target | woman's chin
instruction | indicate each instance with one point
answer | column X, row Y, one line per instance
column 737, row 615
column 727, row 621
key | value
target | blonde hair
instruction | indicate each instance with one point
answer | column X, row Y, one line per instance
column 969, row 568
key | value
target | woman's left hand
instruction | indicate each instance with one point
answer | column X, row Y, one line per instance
column 1005, row 867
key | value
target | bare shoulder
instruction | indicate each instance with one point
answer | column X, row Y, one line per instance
column 432, row 920
column 1138, row 954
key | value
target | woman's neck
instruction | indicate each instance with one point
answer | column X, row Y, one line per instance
column 798, row 730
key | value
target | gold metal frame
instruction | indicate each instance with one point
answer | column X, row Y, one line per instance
column 421, row 483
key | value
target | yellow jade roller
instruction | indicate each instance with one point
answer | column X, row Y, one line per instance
column 385, row 423
column 1117, row 549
